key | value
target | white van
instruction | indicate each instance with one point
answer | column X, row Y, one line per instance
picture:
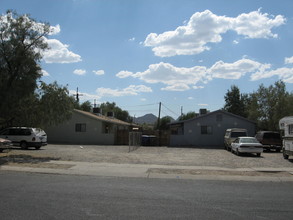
column 25, row 137
column 231, row 135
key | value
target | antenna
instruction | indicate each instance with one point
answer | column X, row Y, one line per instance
column 77, row 95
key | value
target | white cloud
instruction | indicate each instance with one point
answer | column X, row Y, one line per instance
column 234, row 70
column 288, row 60
column 285, row 74
column 182, row 79
column 205, row 27
column 85, row 96
column 79, row 72
column 44, row 73
column 99, row 72
column 177, row 87
column 131, row 39
column 129, row 91
column 55, row 30
column 190, row 98
column 59, row 53
column 124, row 74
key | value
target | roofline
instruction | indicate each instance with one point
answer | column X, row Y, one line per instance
column 103, row 118
column 214, row 112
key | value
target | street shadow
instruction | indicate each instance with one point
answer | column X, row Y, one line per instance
column 22, row 158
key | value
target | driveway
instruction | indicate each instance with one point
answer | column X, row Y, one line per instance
column 147, row 155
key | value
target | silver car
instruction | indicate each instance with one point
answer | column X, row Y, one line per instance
column 246, row 145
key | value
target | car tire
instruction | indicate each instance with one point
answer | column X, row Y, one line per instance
column 285, row 156
column 23, row 145
column 37, row 147
column 258, row 154
column 238, row 153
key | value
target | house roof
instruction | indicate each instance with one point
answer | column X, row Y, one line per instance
column 102, row 118
column 212, row 113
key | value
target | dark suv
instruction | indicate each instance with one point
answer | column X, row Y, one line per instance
column 270, row 140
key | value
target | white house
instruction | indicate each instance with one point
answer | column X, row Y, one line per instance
column 88, row 128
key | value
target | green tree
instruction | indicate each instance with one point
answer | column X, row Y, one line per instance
column 118, row 112
column 22, row 41
column 235, row 102
column 50, row 105
column 164, row 123
column 269, row 105
column 187, row 116
column 86, row 106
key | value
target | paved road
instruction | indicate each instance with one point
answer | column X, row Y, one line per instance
column 151, row 155
column 44, row 196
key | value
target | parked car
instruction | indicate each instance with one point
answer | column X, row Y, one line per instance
column 4, row 144
column 25, row 137
column 231, row 134
column 270, row 140
column 246, row 145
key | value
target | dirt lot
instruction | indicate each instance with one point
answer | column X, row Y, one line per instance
column 146, row 155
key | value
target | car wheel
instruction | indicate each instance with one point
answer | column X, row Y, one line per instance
column 23, row 145
column 285, row 155
column 238, row 153
column 258, row 154
column 38, row 147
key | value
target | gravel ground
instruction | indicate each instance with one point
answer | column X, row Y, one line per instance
column 147, row 155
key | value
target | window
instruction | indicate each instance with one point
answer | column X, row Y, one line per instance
column 80, row 127
column 206, row 129
column 291, row 129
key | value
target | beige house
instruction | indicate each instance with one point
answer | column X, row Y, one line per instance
column 88, row 128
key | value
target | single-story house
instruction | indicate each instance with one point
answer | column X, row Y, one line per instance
column 207, row 129
column 89, row 128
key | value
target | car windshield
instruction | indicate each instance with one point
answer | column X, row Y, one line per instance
column 272, row 136
column 238, row 134
column 248, row 140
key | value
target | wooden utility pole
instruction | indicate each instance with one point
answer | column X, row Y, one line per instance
column 158, row 123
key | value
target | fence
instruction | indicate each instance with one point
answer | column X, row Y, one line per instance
column 134, row 140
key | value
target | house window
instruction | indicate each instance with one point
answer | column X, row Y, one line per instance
column 80, row 127
column 206, row 129
column 291, row 129
column 107, row 128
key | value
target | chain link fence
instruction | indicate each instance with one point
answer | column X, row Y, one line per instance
column 134, row 141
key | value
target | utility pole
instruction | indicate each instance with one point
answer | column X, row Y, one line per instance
column 158, row 123
column 77, row 95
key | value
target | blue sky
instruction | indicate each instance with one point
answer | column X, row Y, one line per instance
column 183, row 53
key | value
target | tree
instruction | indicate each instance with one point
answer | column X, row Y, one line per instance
column 164, row 123
column 187, row 116
column 234, row 102
column 269, row 105
column 86, row 106
column 118, row 112
column 50, row 105
column 22, row 41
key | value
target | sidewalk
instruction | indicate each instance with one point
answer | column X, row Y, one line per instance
column 153, row 171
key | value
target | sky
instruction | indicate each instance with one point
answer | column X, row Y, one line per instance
column 185, row 54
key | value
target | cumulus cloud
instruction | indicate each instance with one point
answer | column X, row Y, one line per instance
column 205, row 27
column 129, row 91
column 59, row 53
column 182, row 78
column 284, row 74
column 99, row 72
column 55, row 30
column 234, row 70
column 79, row 72
column 288, row 60
column 123, row 74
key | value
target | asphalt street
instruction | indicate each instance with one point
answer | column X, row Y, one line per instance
column 45, row 196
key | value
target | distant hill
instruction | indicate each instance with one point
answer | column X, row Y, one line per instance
column 150, row 119
column 146, row 119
